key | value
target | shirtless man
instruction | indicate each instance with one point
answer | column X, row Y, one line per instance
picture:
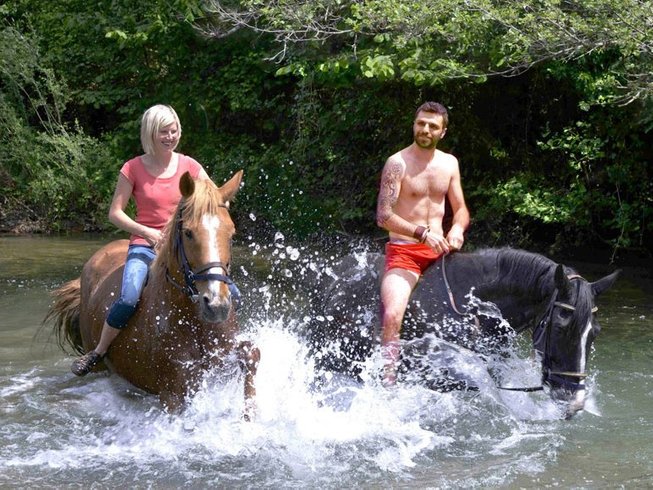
column 414, row 186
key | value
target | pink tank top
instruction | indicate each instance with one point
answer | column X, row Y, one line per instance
column 156, row 198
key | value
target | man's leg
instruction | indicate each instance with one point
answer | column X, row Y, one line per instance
column 396, row 286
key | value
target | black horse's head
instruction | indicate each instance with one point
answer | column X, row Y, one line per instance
column 565, row 334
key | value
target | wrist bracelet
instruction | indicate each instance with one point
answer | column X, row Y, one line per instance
column 420, row 233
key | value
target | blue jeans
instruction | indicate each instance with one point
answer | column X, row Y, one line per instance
column 134, row 277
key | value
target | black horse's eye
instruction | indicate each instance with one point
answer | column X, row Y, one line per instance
column 189, row 234
column 565, row 316
column 564, row 313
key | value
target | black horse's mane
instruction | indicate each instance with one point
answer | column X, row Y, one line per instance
column 536, row 273
column 520, row 270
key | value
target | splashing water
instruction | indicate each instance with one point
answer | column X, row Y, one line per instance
column 305, row 433
column 300, row 434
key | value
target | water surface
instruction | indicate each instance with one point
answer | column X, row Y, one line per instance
column 61, row 431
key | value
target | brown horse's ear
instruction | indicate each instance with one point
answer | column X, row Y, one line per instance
column 230, row 188
column 186, row 185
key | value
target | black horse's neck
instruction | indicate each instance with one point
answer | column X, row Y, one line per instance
column 525, row 273
column 519, row 283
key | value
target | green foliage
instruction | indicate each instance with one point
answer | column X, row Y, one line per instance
column 72, row 182
column 427, row 43
column 56, row 171
column 537, row 201
column 549, row 106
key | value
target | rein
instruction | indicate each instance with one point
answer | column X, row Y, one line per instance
column 452, row 300
column 191, row 276
column 542, row 327
column 449, row 292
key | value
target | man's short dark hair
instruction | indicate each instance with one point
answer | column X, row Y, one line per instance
column 436, row 108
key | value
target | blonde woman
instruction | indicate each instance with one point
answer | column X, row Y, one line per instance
column 152, row 180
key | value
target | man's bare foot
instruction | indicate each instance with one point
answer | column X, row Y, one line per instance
column 389, row 375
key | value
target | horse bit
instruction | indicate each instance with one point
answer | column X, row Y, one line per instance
column 192, row 276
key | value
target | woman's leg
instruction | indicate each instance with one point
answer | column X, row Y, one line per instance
column 134, row 278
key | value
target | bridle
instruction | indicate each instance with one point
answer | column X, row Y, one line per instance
column 191, row 276
column 543, row 328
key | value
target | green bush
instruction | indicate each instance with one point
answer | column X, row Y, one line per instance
column 57, row 172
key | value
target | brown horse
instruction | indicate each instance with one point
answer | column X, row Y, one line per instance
column 185, row 322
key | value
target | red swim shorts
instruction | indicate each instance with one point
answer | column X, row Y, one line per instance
column 414, row 257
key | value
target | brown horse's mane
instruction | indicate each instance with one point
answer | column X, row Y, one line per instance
column 206, row 199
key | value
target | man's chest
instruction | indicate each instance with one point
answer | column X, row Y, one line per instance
column 433, row 182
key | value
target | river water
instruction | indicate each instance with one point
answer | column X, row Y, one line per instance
column 58, row 431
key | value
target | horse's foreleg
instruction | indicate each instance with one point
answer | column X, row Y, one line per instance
column 249, row 357
column 177, row 387
column 171, row 401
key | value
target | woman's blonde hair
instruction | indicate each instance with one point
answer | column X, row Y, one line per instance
column 155, row 118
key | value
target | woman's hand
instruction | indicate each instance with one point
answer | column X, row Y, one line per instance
column 153, row 236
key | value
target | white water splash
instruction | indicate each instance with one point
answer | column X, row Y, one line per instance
column 99, row 429
column 304, row 430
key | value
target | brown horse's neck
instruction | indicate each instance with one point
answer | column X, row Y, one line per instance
column 162, row 289
column 166, row 264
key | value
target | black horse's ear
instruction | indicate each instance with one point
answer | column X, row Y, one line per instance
column 186, row 185
column 562, row 282
column 605, row 283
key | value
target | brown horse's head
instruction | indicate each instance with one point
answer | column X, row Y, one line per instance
column 198, row 248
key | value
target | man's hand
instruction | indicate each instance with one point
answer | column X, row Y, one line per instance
column 455, row 241
column 437, row 243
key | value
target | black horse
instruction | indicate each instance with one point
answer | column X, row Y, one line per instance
column 478, row 301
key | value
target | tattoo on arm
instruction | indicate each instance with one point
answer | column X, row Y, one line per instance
column 389, row 192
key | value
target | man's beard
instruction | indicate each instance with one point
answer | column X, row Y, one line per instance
column 427, row 143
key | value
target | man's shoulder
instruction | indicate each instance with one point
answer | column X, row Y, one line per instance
column 398, row 157
column 445, row 158
column 405, row 157
column 396, row 161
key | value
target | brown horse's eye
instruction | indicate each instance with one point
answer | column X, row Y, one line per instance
column 189, row 234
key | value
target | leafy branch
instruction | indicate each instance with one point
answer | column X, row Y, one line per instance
column 454, row 39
